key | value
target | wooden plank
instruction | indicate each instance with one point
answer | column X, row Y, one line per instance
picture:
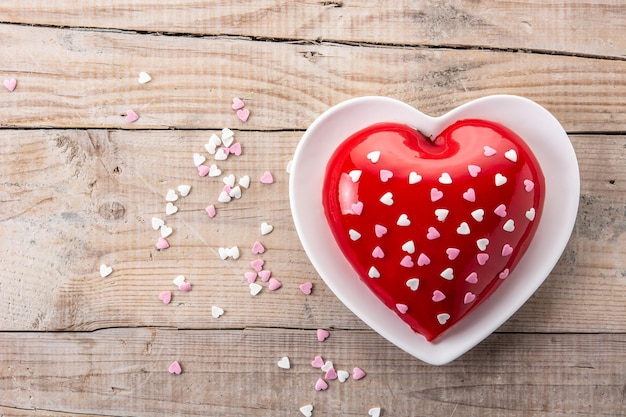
column 73, row 199
column 582, row 27
column 77, row 78
column 234, row 373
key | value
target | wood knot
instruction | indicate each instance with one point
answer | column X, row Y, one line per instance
column 112, row 210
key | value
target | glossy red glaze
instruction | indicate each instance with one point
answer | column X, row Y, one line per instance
column 355, row 206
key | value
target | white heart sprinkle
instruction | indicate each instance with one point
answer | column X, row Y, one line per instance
column 511, row 155
column 255, row 288
column 234, row 252
column 443, row 318
column 403, row 220
column 105, row 270
column 171, row 196
column 166, row 231
column 509, row 226
column 284, row 363
column 342, row 376
column 217, row 312
column 447, row 274
column 214, row 142
column 373, row 273
column 307, row 410
column 441, row 214
column 355, row 174
column 414, row 178
column 170, row 208
column 374, row 156
column 445, row 178
column 228, row 136
column 179, row 280
column 374, row 412
column 413, row 284
column 244, row 181
column 327, row 365
column 354, row 235
column 409, row 247
column 157, row 223
column 229, row 180
column 463, row 229
column 144, row 78
column 198, row 159
column 478, row 215
column 266, row 228
column 221, row 155
column 530, row 214
column 387, row 199
column 184, row 189
column 224, row 253
column 214, row 171
column 500, row 179
column 224, row 197
column 482, row 243
column 235, row 192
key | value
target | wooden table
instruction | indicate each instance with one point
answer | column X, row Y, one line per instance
column 80, row 185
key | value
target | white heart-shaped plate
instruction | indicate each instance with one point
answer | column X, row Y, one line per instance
column 555, row 154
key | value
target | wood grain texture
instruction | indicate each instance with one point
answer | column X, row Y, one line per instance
column 59, row 188
column 581, row 27
column 81, row 79
column 234, row 373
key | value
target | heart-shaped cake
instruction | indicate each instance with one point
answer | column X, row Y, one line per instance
column 433, row 225
column 434, row 230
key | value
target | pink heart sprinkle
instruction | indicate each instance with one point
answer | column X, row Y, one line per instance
column 473, row 170
column 407, row 262
column 507, row 250
column 257, row 264
column 380, row 230
column 322, row 334
column 267, row 178
column 210, row 210
column 489, row 151
column 435, row 195
column 257, row 248
column 306, row 288
column 237, row 103
column 432, row 233
column 402, row 308
column 500, row 210
column 10, row 84
column 175, row 368
column 131, row 116
column 321, row 385
column 274, row 284
column 385, row 174
column 357, row 208
column 378, row 252
column 472, row 278
column 452, row 253
column 203, row 170
column 504, row 273
column 423, row 260
column 438, row 296
column 331, row 374
column 358, row 373
column 185, row 287
column 529, row 185
column 318, row 362
column 250, row 276
column 482, row 258
column 470, row 195
column 166, row 297
column 162, row 243
column 235, row 149
column 243, row 114
column 469, row 297
column 265, row 275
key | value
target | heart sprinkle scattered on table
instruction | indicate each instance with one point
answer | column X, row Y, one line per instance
column 105, row 270
column 185, row 287
column 267, row 178
column 306, row 288
column 318, row 362
column 343, row 376
column 255, row 288
column 321, row 385
column 175, row 368
column 284, row 363
column 165, row 297
column 144, row 78
column 358, row 373
column 10, row 84
column 162, row 243
column 243, row 114
column 374, row 412
column 258, row 248
column 266, row 228
column 217, row 312
column 322, row 334
column 307, row 410
column 131, row 116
